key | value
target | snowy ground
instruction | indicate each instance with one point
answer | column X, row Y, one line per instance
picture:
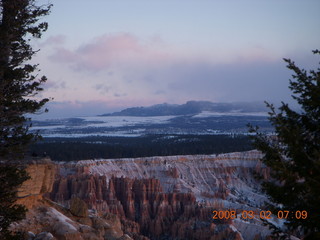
column 129, row 126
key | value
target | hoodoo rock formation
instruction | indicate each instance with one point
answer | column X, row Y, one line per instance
column 171, row 197
column 141, row 204
column 46, row 220
column 227, row 176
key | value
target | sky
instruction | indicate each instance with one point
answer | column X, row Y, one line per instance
column 102, row 56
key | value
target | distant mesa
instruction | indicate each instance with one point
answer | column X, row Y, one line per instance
column 190, row 108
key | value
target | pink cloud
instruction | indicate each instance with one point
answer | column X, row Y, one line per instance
column 132, row 55
column 64, row 55
column 112, row 44
column 132, row 72
column 108, row 51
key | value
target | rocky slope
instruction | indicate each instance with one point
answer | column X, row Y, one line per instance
column 170, row 197
column 47, row 220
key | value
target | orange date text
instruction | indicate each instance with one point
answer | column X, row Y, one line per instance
column 246, row 214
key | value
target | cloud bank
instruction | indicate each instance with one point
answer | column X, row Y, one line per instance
column 123, row 69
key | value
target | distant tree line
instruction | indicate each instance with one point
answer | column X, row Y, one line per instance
column 70, row 149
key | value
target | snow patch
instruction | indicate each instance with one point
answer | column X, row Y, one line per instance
column 205, row 114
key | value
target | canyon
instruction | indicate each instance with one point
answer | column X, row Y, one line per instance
column 167, row 197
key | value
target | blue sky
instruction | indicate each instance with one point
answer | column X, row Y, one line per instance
column 105, row 55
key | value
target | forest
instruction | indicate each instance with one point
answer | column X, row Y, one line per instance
column 70, row 149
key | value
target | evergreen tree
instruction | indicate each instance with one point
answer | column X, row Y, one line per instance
column 294, row 154
column 11, row 177
column 19, row 85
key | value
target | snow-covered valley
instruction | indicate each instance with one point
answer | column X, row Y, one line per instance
column 131, row 126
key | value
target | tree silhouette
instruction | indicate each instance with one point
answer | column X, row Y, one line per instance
column 293, row 154
column 19, row 85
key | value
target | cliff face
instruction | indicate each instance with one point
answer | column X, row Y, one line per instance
column 170, row 197
column 47, row 220
column 42, row 175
